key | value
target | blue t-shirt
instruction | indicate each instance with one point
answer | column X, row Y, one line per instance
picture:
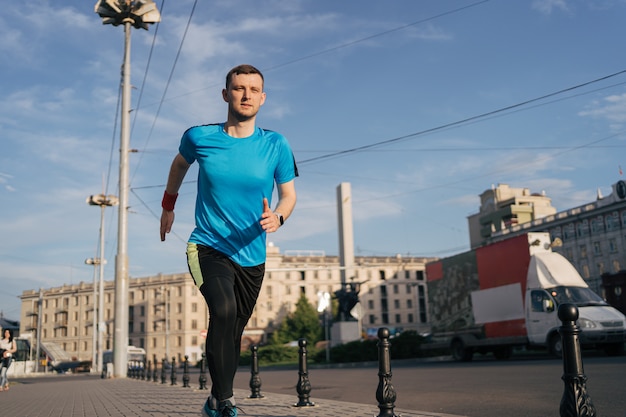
column 235, row 175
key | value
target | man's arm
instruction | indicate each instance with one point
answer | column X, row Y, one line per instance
column 178, row 170
column 285, row 206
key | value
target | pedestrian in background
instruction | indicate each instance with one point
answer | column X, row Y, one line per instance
column 239, row 164
column 8, row 347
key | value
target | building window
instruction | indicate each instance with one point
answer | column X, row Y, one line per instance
column 142, row 311
column 583, row 251
column 616, row 266
column 370, row 304
column 395, row 289
column 407, row 274
column 382, row 274
column 568, row 231
column 385, row 318
column 597, row 225
column 194, row 340
column 396, row 304
column 409, row 303
column 600, row 266
column 194, row 307
column 398, row 319
column 408, row 288
column 194, row 324
column 612, row 246
column 586, row 273
column 612, row 221
column 582, row 228
column 372, row 319
column 597, row 248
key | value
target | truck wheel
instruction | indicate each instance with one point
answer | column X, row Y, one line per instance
column 460, row 352
column 614, row 349
column 555, row 345
column 503, row 353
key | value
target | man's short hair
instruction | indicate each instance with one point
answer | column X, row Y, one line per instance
column 242, row 69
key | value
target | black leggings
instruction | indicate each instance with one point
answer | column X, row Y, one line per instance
column 230, row 291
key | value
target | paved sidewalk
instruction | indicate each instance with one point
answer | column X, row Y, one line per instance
column 75, row 396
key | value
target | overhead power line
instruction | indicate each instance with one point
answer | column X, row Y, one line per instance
column 456, row 123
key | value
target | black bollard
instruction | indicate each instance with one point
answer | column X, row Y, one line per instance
column 186, row 372
column 304, row 386
column 575, row 401
column 154, row 371
column 385, row 393
column 149, row 370
column 202, row 379
column 173, row 374
column 255, row 379
column 163, row 371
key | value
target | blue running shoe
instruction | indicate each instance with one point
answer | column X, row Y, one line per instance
column 227, row 409
column 209, row 412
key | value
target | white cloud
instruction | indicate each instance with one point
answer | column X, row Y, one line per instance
column 548, row 6
column 611, row 108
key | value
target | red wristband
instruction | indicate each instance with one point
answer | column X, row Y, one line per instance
column 169, row 200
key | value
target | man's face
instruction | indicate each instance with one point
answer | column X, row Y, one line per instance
column 244, row 96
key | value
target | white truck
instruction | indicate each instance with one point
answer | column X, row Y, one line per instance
column 506, row 294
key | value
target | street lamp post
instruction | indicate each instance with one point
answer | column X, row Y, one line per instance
column 136, row 13
column 94, row 348
column 102, row 201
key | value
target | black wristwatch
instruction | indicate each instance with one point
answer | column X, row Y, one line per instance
column 281, row 219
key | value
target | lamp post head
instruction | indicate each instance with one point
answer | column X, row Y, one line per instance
column 138, row 12
column 102, row 200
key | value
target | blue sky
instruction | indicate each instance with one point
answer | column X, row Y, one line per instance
column 403, row 74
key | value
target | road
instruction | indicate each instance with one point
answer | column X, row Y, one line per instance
column 521, row 387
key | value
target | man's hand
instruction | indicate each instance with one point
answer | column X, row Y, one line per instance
column 269, row 221
column 167, row 220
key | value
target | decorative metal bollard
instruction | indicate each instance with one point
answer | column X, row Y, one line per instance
column 142, row 370
column 173, row 374
column 186, row 372
column 575, row 401
column 154, row 372
column 163, row 370
column 304, row 386
column 148, row 375
column 202, row 379
column 255, row 379
column 385, row 393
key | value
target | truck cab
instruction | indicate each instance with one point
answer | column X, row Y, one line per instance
column 552, row 281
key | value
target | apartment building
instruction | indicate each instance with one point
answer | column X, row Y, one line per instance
column 168, row 316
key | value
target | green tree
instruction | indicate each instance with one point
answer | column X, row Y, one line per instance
column 304, row 323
